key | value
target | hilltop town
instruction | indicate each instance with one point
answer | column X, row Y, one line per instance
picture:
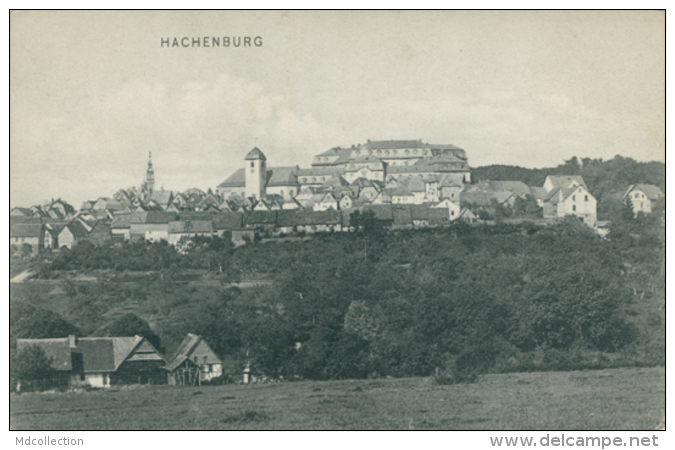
column 402, row 183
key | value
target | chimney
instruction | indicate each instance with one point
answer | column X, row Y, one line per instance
column 72, row 340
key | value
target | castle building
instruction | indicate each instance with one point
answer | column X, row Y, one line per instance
column 379, row 161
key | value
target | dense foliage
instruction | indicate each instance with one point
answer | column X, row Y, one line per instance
column 131, row 325
column 391, row 303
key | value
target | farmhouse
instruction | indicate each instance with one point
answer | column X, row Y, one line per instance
column 193, row 362
column 22, row 233
column 642, row 197
column 101, row 361
column 568, row 195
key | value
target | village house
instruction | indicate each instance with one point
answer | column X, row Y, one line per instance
column 153, row 226
column 193, row 362
column 453, row 208
column 98, row 233
column 185, row 229
column 26, row 233
column 101, row 361
column 568, row 195
column 642, row 197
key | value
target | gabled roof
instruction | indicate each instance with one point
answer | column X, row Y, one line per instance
column 309, row 217
column 375, row 145
column 191, row 226
column 227, row 220
column 319, row 172
column 237, row 179
column 160, row 217
column 184, row 350
column 58, row 349
column 402, row 216
column 260, row 217
column 77, row 229
column 652, row 192
column 517, row 187
column 560, row 181
column 162, row 197
column 438, row 215
column 335, row 151
column 538, row 193
column 99, row 354
column 401, row 191
column 282, row 176
column 382, row 212
column 26, row 212
column 419, row 212
column 485, row 198
column 121, row 221
column 25, row 229
column 255, row 153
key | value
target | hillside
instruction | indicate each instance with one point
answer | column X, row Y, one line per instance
column 381, row 303
column 606, row 180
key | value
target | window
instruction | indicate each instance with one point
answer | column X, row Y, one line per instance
column 574, row 207
column 205, row 360
column 585, row 198
column 196, row 360
column 290, row 192
column 574, row 198
column 252, row 164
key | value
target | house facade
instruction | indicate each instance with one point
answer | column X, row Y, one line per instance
column 193, row 362
column 102, row 361
column 642, row 197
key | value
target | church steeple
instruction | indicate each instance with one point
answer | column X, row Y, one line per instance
column 150, row 175
column 149, row 184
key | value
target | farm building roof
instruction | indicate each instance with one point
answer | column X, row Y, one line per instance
column 25, row 229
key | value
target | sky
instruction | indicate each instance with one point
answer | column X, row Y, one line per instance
column 92, row 93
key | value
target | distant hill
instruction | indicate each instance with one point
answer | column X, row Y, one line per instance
column 608, row 178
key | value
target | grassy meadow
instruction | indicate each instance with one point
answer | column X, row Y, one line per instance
column 611, row 399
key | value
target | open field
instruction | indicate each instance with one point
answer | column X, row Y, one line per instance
column 613, row 399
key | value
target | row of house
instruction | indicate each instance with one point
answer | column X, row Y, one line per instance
column 106, row 361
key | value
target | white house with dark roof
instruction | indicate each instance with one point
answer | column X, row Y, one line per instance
column 30, row 233
column 257, row 180
column 569, row 195
column 374, row 160
column 642, row 197
column 180, row 229
column 101, row 361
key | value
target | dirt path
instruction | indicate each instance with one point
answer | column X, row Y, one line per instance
column 23, row 276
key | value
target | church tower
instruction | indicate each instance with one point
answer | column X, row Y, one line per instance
column 256, row 173
column 149, row 184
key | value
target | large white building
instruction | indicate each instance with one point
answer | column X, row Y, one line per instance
column 382, row 161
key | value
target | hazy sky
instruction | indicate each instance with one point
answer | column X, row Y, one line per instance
column 93, row 92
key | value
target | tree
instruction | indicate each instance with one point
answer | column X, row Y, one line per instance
column 26, row 250
column 31, row 363
column 132, row 325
